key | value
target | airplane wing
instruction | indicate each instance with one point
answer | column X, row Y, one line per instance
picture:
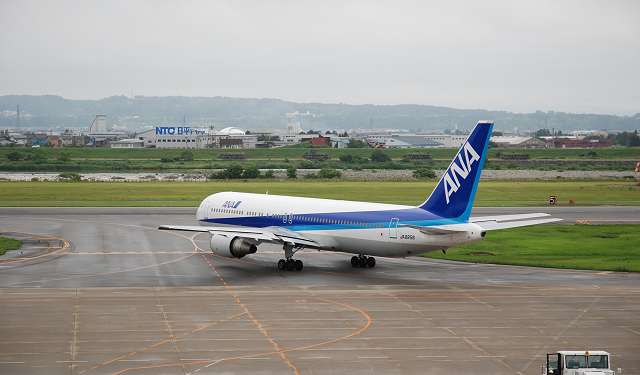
column 270, row 234
column 512, row 221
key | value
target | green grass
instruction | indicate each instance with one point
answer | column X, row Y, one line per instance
column 593, row 247
column 490, row 193
column 297, row 152
column 203, row 165
column 8, row 244
column 87, row 159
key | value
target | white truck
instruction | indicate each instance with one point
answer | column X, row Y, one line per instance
column 578, row 362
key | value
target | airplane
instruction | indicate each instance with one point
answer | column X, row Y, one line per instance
column 239, row 222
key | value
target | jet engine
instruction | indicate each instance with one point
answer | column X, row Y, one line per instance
column 232, row 247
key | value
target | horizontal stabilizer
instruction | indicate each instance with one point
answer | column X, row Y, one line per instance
column 495, row 225
column 440, row 229
column 500, row 218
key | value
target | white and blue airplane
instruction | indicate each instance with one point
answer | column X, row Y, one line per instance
column 239, row 222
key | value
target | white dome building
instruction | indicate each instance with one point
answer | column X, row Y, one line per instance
column 231, row 130
column 232, row 137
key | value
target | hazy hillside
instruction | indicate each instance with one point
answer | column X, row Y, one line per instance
column 55, row 111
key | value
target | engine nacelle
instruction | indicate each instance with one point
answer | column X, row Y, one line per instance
column 232, row 247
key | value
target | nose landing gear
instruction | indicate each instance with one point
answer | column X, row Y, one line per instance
column 363, row 261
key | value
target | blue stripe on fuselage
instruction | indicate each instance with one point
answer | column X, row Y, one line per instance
column 336, row 220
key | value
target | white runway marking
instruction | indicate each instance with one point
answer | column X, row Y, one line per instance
column 432, row 356
column 489, row 356
column 373, row 357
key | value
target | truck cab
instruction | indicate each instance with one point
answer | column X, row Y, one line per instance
column 578, row 362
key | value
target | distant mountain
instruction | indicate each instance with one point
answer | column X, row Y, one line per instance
column 49, row 111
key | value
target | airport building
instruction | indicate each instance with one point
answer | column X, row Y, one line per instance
column 406, row 140
column 127, row 143
column 518, row 141
column 188, row 137
column 100, row 134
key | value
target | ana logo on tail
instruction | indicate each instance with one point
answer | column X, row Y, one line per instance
column 460, row 169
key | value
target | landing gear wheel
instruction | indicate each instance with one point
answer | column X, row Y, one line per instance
column 290, row 265
column 299, row 265
column 363, row 261
column 281, row 264
column 371, row 262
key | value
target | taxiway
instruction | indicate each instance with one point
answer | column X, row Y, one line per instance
column 101, row 291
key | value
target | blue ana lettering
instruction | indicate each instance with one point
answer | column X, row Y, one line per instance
column 231, row 204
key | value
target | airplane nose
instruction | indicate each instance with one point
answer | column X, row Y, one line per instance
column 200, row 212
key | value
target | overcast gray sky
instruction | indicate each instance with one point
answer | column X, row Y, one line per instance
column 576, row 56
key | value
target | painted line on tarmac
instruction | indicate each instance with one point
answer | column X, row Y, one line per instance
column 373, row 357
column 135, row 253
column 55, row 250
column 432, row 356
column 611, row 220
column 209, row 363
column 317, row 357
column 259, row 325
column 257, row 358
column 489, row 356
column 125, row 357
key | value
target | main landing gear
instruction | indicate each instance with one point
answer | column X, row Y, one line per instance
column 363, row 261
column 289, row 264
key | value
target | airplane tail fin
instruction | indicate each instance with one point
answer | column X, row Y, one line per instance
column 453, row 196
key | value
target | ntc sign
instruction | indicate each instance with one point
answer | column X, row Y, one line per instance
column 177, row 130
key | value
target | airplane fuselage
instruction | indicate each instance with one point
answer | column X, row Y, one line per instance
column 337, row 225
column 238, row 223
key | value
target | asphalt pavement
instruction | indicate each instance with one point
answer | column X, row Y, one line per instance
column 101, row 291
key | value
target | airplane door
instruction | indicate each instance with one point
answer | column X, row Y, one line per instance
column 393, row 227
